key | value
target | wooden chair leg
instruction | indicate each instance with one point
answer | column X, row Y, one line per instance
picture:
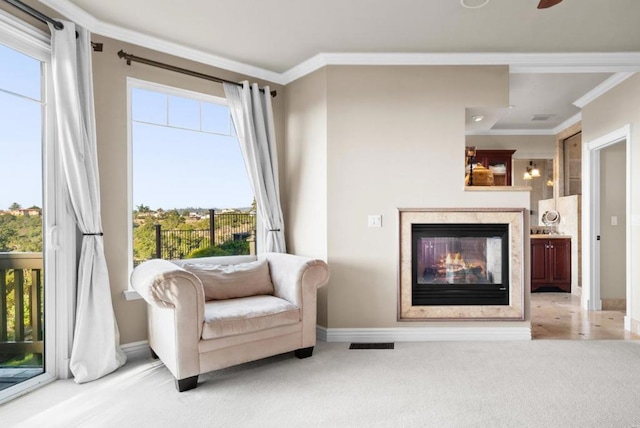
column 186, row 383
column 304, row 352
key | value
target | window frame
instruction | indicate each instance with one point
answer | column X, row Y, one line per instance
column 135, row 83
column 59, row 231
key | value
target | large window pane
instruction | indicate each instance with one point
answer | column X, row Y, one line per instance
column 20, row 73
column 184, row 113
column 20, row 152
column 21, row 244
column 177, row 169
column 148, row 106
column 191, row 192
column 216, row 118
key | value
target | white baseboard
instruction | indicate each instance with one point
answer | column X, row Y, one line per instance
column 430, row 334
column 136, row 350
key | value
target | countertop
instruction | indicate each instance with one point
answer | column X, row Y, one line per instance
column 549, row 236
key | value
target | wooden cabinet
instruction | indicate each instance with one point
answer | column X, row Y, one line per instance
column 551, row 263
column 494, row 158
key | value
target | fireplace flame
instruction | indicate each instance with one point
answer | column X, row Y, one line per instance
column 454, row 263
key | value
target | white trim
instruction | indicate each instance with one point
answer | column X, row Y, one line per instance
column 567, row 123
column 19, row 35
column 25, row 387
column 602, row 88
column 148, row 85
column 429, row 334
column 321, row 333
column 78, row 15
column 136, row 350
column 591, row 221
column 518, row 62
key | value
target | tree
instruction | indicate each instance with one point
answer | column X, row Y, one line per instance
column 15, row 206
column 143, row 208
column 144, row 242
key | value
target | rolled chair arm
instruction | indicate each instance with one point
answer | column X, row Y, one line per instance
column 297, row 280
column 292, row 274
column 165, row 285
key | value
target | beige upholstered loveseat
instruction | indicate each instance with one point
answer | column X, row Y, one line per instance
column 210, row 313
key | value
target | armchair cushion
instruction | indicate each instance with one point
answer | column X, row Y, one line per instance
column 222, row 282
column 245, row 315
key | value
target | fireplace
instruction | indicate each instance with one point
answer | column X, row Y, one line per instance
column 459, row 264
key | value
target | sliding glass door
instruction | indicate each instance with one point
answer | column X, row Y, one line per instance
column 22, row 205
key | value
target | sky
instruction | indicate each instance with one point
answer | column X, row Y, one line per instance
column 185, row 152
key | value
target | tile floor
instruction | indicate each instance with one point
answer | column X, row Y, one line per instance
column 559, row 316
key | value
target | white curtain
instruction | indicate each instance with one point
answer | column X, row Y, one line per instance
column 253, row 118
column 96, row 340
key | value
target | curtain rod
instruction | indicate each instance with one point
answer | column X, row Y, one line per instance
column 97, row 47
column 129, row 58
column 36, row 14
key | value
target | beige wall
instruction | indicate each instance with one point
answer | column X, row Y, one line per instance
column 395, row 139
column 609, row 112
column 613, row 238
column 110, row 75
column 305, row 172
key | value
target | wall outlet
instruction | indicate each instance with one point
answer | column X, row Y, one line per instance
column 375, row 220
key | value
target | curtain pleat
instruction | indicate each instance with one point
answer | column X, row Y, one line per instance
column 96, row 341
column 252, row 116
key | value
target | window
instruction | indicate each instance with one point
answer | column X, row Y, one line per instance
column 33, row 222
column 190, row 192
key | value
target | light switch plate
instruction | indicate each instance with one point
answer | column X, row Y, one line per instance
column 614, row 220
column 375, row 220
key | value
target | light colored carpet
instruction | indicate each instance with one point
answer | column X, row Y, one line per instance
column 432, row 384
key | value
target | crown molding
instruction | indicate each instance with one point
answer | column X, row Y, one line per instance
column 79, row 16
column 602, row 88
column 22, row 35
column 518, row 62
column 567, row 123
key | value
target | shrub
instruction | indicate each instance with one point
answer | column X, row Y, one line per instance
column 236, row 247
column 208, row 252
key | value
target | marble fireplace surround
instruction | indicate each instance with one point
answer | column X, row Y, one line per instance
column 513, row 217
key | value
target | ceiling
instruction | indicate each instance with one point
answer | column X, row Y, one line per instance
column 277, row 36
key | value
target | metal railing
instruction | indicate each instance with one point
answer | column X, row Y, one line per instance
column 21, row 322
column 223, row 227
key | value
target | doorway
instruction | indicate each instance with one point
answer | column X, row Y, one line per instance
column 601, row 225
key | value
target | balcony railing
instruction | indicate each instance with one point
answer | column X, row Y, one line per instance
column 21, row 304
column 223, row 228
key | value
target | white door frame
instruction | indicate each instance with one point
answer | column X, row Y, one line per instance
column 591, row 219
column 59, row 230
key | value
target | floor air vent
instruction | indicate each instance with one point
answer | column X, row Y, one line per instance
column 371, row 346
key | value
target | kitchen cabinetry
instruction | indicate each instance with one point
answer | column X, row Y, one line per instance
column 551, row 263
column 497, row 158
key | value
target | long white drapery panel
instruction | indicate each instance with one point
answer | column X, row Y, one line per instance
column 252, row 116
column 96, row 341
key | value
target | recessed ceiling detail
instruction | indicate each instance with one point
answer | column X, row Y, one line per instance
column 541, row 117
